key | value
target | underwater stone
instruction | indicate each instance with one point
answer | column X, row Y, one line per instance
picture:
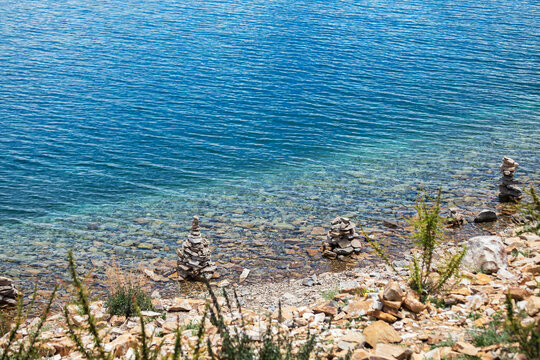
column 485, row 216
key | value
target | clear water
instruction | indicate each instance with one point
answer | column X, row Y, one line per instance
column 266, row 118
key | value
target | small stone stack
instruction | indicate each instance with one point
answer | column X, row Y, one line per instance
column 455, row 217
column 8, row 293
column 194, row 256
column 508, row 190
column 342, row 239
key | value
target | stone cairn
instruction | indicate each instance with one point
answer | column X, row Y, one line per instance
column 8, row 293
column 194, row 255
column 455, row 217
column 342, row 239
column 508, row 190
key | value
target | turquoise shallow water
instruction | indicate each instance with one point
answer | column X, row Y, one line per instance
column 267, row 118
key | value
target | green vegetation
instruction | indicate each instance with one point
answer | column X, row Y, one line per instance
column 527, row 336
column 123, row 299
column 235, row 343
column 530, row 211
column 448, row 342
column 192, row 325
column 510, row 330
column 491, row 334
column 27, row 349
column 426, row 276
column 330, row 294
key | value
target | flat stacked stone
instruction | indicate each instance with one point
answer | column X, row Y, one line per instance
column 8, row 293
column 508, row 189
column 342, row 239
column 194, row 256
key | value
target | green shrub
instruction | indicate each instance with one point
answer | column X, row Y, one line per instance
column 124, row 298
column 491, row 334
column 530, row 212
column 427, row 236
column 330, row 294
column 527, row 336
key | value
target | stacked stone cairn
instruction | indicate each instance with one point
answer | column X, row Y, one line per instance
column 8, row 293
column 194, row 256
column 342, row 239
column 508, row 190
column 455, row 217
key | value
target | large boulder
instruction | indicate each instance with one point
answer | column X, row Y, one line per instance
column 485, row 254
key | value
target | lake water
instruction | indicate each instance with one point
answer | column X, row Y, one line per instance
column 265, row 118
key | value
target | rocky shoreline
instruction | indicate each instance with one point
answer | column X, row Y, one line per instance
column 374, row 314
column 364, row 308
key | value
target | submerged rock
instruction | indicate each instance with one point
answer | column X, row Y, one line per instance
column 485, row 216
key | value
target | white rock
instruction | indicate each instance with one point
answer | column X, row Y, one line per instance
column 475, row 301
column 521, row 305
column 504, row 274
column 244, row 275
column 486, row 254
column 433, row 354
column 318, row 318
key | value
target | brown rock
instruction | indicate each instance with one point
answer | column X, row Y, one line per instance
column 533, row 305
column 357, row 308
column 533, row 269
column 318, row 230
column 360, row 354
column 354, row 337
column 413, row 305
column 121, row 344
column 518, row 293
column 287, row 313
column 382, row 316
column 392, row 351
column 392, row 292
column 63, row 346
column 312, row 252
column 391, row 304
column 326, row 309
column 434, row 339
column 329, row 254
column 482, row 279
column 465, row 348
column 180, row 304
column 462, row 291
column 380, row 332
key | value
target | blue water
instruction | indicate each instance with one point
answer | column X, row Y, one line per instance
column 264, row 117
